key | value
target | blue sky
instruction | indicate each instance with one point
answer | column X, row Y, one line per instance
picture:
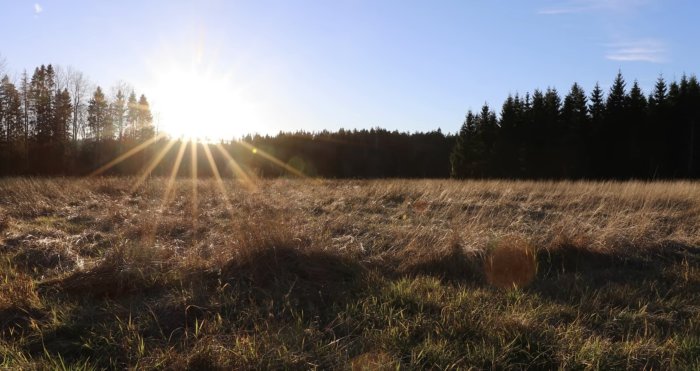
column 405, row 65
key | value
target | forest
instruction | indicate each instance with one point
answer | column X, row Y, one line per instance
column 55, row 123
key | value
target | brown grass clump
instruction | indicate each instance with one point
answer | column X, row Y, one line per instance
column 4, row 220
column 126, row 269
column 19, row 302
column 278, row 262
column 510, row 263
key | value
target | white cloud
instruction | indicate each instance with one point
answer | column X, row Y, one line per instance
column 645, row 50
column 587, row 6
column 37, row 8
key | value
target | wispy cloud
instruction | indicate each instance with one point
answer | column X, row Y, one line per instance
column 586, row 6
column 645, row 50
column 37, row 8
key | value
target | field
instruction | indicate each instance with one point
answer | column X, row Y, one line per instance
column 100, row 273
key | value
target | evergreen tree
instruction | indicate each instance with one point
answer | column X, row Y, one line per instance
column 144, row 120
column 614, row 145
column 132, row 116
column 671, row 124
column 656, row 136
column 463, row 153
column 98, row 116
column 25, row 96
column 118, row 110
column 507, row 148
column 42, row 103
column 553, row 134
column 62, row 118
column 635, row 125
column 575, row 158
column 11, row 111
column 694, row 128
column 535, row 136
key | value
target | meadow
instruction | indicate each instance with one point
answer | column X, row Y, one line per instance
column 104, row 272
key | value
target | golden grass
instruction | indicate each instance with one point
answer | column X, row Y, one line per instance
column 300, row 273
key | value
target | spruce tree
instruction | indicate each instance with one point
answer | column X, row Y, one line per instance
column 98, row 115
column 132, row 116
column 614, row 146
column 576, row 121
column 144, row 120
column 14, row 128
column 458, row 156
column 635, row 120
column 507, row 145
column 62, row 117
column 694, row 127
column 118, row 111
column 656, row 135
column 41, row 106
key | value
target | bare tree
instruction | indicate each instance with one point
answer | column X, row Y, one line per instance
column 62, row 77
column 78, row 86
column 3, row 65
column 25, row 96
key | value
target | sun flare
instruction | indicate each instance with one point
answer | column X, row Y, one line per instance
column 194, row 102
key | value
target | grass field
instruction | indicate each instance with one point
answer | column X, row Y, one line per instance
column 349, row 274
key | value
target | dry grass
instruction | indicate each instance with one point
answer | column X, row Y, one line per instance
column 349, row 274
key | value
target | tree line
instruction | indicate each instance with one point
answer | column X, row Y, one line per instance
column 54, row 123
column 622, row 135
column 50, row 125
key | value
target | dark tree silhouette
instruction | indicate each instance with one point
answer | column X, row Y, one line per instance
column 47, row 130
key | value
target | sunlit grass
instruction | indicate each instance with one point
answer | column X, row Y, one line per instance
column 303, row 274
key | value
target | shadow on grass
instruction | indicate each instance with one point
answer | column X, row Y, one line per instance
column 128, row 296
column 451, row 265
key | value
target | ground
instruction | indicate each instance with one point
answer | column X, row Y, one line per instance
column 306, row 273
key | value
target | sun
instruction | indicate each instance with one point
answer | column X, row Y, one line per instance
column 193, row 101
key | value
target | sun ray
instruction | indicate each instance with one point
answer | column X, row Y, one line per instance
column 236, row 168
column 173, row 173
column 217, row 176
column 154, row 162
column 150, row 235
column 126, row 155
column 194, row 174
column 273, row 159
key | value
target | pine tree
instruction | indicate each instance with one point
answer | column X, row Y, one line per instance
column 25, row 96
column 10, row 112
column 596, row 109
column 694, row 127
column 577, row 126
column 657, row 135
column 62, row 118
column 635, row 126
column 597, row 105
column 659, row 96
column 98, row 116
column 535, row 136
column 42, row 102
column 118, row 110
column 507, row 147
column 144, row 120
column 132, row 116
column 468, row 153
column 458, row 156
